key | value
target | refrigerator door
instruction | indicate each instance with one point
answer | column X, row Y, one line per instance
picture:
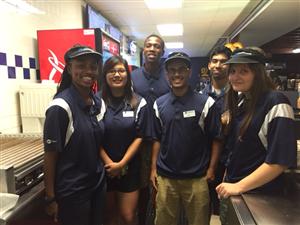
column 52, row 45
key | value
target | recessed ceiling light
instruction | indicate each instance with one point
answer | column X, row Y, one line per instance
column 170, row 29
column 172, row 45
column 296, row 50
column 163, row 4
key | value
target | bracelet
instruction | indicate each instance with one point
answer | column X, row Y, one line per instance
column 48, row 200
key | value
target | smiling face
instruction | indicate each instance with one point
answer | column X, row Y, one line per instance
column 153, row 49
column 116, row 77
column 241, row 77
column 84, row 71
column 217, row 67
column 178, row 74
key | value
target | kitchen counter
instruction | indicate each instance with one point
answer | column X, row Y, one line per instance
column 28, row 204
column 266, row 209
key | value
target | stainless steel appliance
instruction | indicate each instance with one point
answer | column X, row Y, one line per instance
column 21, row 162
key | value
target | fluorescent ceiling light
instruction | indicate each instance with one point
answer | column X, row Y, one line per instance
column 170, row 29
column 255, row 13
column 296, row 50
column 172, row 45
column 23, row 6
column 163, row 4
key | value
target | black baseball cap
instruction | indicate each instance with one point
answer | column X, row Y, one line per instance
column 80, row 50
column 244, row 55
column 178, row 55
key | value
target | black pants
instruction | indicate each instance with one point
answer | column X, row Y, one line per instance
column 83, row 212
column 215, row 203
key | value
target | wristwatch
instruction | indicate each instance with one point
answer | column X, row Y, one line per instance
column 48, row 200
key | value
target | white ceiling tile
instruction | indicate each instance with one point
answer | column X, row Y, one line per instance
column 204, row 21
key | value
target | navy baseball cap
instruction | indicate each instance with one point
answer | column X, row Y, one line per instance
column 246, row 55
column 80, row 50
column 178, row 55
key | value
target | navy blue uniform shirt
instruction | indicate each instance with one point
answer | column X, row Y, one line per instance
column 150, row 87
column 75, row 131
column 185, row 127
column 123, row 124
column 219, row 107
column 270, row 138
column 208, row 90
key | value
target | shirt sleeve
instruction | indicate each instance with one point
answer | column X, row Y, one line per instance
column 216, row 114
column 141, row 119
column 280, row 141
column 55, row 128
column 211, row 121
column 156, row 123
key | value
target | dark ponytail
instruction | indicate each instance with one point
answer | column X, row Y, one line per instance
column 65, row 81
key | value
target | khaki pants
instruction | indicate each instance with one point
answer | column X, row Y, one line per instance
column 193, row 195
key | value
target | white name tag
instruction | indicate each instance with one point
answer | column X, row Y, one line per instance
column 128, row 114
column 188, row 114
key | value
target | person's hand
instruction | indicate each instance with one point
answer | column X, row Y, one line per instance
column 52, row 210
column 114, row 169
column 225, row 190
column 153, row 178
column 210, row 175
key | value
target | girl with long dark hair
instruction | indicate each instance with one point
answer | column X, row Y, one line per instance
column 125, row 125
column 259, row 130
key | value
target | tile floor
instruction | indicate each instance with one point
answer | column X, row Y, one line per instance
column 215, row 220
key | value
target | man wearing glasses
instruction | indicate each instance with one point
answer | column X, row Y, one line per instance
column 182, row 159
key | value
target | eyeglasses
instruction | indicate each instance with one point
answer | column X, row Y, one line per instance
column 180, row 70
column 113, row 71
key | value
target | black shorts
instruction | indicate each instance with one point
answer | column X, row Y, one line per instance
column 129, row 182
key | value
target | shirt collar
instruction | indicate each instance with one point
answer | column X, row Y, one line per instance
column 182, row 99
column 154, row 75
column 79, row 99
column 212, row 92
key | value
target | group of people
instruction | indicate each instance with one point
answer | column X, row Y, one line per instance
column 150, row 128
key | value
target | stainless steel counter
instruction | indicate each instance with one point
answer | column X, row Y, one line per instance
column 266, row 209
column 30, row 203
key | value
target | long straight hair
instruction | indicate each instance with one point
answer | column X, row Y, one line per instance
column 261, row 84
column 129, row 95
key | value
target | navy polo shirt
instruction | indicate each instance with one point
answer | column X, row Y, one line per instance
column 150, row 87
column 270, row 138
column 75, row 131
column 185, row 127
column 219, row 107
column 208, row 90
column 123, row 124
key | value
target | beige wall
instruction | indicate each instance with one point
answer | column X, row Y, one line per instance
column 18, row 37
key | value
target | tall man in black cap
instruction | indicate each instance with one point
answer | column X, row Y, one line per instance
column 185, row 128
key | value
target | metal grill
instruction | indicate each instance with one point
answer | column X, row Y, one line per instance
column 21, row 159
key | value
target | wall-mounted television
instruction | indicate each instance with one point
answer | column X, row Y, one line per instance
column 96, row 20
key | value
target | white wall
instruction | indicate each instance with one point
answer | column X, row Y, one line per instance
column 18, row 37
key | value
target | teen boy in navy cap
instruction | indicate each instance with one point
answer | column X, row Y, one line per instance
column 181, row 154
